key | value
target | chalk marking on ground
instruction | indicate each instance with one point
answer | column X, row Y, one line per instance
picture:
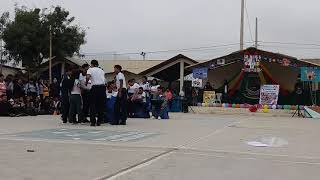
column 217, row 131
column 134, row 167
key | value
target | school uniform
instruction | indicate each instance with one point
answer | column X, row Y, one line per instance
column 85, row 95
column 98, row 95
column 65, row 98
column 75, row 103
column 121, row 102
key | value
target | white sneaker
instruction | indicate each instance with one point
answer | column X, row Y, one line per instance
column 159, row 118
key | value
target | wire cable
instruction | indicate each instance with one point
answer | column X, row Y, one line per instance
column 248, row 20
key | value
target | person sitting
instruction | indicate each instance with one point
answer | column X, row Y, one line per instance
column 139, row 100
column 111, row 101
column 56, row 106
column 5, row 106
column 208, row 87
column 46, row 107
column 29, row 108
column 161, row 105
column 18, row 108
column 37, row 104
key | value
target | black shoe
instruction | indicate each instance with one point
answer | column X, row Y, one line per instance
column 123, row 123
column 92, row 124
column 98, row 124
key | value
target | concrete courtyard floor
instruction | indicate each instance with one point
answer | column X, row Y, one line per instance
column 186, row 147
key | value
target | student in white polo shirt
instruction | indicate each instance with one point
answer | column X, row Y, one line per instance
column 121, row 102
column 98, row 93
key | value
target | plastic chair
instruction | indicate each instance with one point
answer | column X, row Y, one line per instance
column 218, row 98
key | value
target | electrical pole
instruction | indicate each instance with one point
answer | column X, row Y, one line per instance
column 1, row 49
column 242, row 26
column 256, row 40
column 50, row 56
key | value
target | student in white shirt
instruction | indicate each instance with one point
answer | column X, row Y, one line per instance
column 75, row 99
column 98, row 93
column 121, row 103
column 85, row 91
column 154, row 88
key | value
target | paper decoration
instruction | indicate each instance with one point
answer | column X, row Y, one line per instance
column 208, row 96
column 197, row 82
column 252, row 63
column 310, row 74
column 269, row 94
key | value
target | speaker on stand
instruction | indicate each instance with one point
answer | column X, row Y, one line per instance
column 299, row 102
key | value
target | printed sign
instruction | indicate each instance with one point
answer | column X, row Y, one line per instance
column 200, row 73
column 310, row 74
column 197, row 83
column 208, row 96
column 252, row 63
column 269, row 94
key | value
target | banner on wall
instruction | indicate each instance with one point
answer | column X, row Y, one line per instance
column 197, row 82
column 310, row 74
column 200, row 73
column 269, row 94
column 208, row 96
column 252, row 63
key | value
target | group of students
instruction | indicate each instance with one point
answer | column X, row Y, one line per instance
column 84, row 93
column 88, row 94
column 21, row 97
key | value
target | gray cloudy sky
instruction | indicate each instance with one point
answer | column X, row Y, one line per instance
column 124, row 26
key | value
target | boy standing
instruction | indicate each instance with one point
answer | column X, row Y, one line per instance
column 120, row 106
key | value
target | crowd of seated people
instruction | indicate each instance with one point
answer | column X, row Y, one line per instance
column 29, row 97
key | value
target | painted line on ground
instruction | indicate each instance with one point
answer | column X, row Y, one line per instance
column 134, row 167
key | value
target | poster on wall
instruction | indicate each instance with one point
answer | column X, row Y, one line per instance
column 310, row 74
column 197, row 82
column 200, row 73
column 252, row 63
column 208, row 96
column 269, row 94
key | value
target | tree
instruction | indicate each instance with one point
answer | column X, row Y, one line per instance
column 4, row 19
column 27, row 36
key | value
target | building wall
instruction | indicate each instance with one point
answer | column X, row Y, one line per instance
column 128, row 75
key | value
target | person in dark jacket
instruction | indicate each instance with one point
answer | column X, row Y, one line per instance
column 18, row 90
column 66, row 85
column 54, row 90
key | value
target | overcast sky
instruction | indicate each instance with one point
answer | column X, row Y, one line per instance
column 124, row 26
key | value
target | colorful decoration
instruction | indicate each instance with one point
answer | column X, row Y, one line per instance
column 310, row 74
column 251, row 62
column 265, row 110
column 274, row 107
column 253, row 109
